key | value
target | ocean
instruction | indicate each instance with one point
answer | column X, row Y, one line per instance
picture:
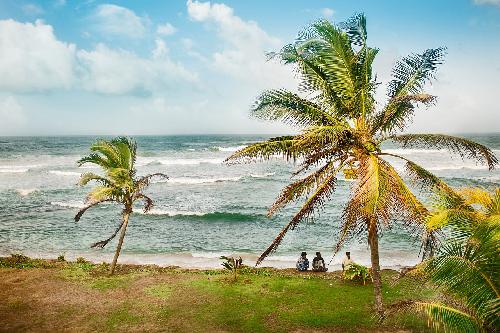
column 206, row 209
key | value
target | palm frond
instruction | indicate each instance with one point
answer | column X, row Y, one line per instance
column 315, row 201
column 88, row 206
column 380, row 193
column 412, row 72
column 463, row 147
column 90, row 176
column 399, row 111
column 356, row 29
column 291, row 109
column 103, row 243
column 148, row 202
column 144, row 181
column 301, row 187
column 441, row 316
column 284, row 146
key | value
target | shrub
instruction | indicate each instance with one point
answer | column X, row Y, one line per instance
column 356, row 272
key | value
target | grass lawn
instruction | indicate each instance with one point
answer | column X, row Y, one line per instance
column 41, row 295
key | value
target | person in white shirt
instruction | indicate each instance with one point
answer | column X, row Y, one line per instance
column 347, row 261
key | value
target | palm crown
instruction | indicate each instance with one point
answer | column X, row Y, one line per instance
column 119, row 183
column 467, row 265
column 342, row 128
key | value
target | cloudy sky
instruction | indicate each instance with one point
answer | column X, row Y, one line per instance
column 185, row 67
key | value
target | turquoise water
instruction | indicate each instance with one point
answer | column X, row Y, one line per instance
column 206, row 209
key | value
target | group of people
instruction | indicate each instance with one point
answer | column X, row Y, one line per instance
column 318, row 264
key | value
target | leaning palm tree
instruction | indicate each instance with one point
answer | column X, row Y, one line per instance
column 467, row 265
column 119, row 183
column 342, row 129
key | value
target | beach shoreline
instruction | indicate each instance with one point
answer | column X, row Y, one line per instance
column 193, row 261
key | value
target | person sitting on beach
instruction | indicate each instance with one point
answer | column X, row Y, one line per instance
column 347, row 261
column 319, row 263
column 302, row 262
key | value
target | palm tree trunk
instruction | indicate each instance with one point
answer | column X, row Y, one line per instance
column 126, row 215
column 377, row 281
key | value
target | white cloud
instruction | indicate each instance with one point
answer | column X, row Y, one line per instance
column 166, row 29
column 244, row 45
column 112, row 71
column 11, row 114
column 32, row 9
column 327, row 12
column 487, row 2
column 118, row 21
column 33, row 59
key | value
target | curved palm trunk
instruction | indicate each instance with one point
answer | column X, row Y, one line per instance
column 126, row 215
column 377, row 280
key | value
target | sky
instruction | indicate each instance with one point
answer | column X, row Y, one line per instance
column 195, row 67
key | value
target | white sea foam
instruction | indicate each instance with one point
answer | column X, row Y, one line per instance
column 194, row 181
column 229, row 149
column 179, row 161
column 16, row 168
column 457, row 167
column 413, row 151
column 158, row 211
column 26, row 191
column 68, row 204
column 265, row 175
column 64, row 173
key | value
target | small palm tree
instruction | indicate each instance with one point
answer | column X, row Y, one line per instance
column 342, row 129
column 467, row 265
column 119, row 183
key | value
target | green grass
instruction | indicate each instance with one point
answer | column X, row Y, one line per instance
column 260, row 300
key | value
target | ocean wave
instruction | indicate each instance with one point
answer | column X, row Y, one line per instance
column 64, row 173
column 179, row 161
column 229, row 149
column 68, row 204
column 413, row 151
column 457, row 167
column 264, row 175
column 205, row 216
column 195, row 181
column 16, row 168
column 171, row 213
column 26, row 191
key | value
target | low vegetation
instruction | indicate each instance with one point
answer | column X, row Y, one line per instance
column 42, row 294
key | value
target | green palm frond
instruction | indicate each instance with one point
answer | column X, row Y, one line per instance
column 290, row 109
column 399, row 111
column 412, row 72
column 284, row 146
column 381, row 193
column 355, row 27
column 463, row 147
column 313, row 77
column 441, row 317
column 90, row 176
column 315, row 201
column 100, row 193
column 301, row 187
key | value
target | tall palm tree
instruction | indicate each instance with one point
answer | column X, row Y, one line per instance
column 119, row 183
column 342, row 128
column 467, row 265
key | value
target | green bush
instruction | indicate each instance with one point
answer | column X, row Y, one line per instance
column 356, row 272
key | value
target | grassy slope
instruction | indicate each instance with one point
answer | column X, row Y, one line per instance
column 41, row 295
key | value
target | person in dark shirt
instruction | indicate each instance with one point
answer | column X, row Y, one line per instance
column 302, row 262
column 319, row 263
